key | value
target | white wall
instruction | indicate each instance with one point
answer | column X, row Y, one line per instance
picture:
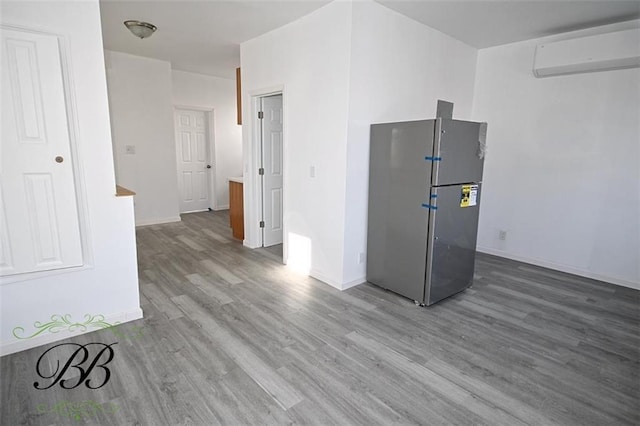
column 140, row 101
column 399, row 69
column 109, row 283
column 344, row 67
column 219, row 95
column 562, row 171
column 309, row 60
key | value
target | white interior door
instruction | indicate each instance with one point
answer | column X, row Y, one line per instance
column 192, row 153
column 38, row 209
column 272, row 164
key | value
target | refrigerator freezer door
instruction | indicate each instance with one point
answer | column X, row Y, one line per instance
column 457, row 152
column 452, row 240
column 399, row 181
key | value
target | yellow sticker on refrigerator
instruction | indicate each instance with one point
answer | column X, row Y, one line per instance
column 469, row 195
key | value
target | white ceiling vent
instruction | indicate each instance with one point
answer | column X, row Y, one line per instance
column 586, row 54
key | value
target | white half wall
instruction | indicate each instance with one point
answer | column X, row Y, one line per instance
column 140, row 102
column 399, row 69
column 217, row 94
column 108, row 284
column 562, row 173
column 309, row 61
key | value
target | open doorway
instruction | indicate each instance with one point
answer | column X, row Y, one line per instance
column 270, row 135
column 194, row 156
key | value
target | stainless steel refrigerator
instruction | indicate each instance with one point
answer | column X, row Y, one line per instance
column 425, row 182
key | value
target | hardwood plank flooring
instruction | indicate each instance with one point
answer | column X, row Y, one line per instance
column 231, row 336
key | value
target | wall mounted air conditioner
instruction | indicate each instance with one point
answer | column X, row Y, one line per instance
column 586, row 54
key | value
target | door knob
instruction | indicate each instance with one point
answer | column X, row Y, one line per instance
column 208, row 166
column 59, row 159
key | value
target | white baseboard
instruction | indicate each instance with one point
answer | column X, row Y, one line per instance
column 561, row 268
column 248, row 244
column 354, row 283
column 340, row 286
column 225, row 207
column 157, row 221
column 195, row 211
column 320, row 276
column 16, row 345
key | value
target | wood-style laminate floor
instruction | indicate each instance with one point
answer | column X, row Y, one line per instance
column 231, row 336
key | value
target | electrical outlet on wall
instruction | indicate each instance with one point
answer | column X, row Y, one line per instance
column 502, row 235
column 361, row 258
column 130, row 149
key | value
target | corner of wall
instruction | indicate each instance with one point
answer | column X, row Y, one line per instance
column 561, row 138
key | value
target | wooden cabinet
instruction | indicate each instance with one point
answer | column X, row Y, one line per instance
column 236, row 209
column 239, row 95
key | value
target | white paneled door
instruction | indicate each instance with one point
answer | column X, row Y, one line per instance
column 38, row 208
column 272, row 163
column 192, row 153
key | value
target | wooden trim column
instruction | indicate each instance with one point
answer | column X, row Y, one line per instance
column 236, row 210
column 239, row 95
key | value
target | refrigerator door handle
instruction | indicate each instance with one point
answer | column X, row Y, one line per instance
column 431, row 238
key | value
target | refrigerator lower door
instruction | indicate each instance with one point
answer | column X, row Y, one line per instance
column 451, row 242
column 399, row 182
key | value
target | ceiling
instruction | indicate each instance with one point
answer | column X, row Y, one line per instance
column 491, row 23
column 197, row 36
column 205, row 36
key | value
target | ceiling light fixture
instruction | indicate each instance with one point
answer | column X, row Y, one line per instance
column 140, row 29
